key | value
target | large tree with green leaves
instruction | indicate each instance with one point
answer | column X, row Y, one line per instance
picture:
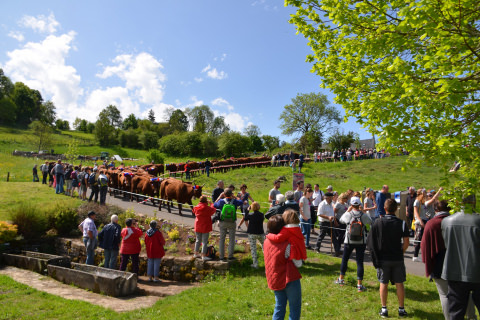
column 104, row 131
column 177, row 121
column 113, row 115
column 309, row 116
column 42, row 135
column 407, row 70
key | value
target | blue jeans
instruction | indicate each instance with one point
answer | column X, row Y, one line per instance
column 293, row 294
column 59, row 186
column 153, row 267
column 110, row 258
column 90, row 253
column 306, row 224
column 359, row 254
column 207, row 169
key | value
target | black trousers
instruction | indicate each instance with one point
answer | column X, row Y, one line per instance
column 103, row 194
column 45, row 175
column 325, row 228
column 458, row 295
column 313, row 214
column 94, row 192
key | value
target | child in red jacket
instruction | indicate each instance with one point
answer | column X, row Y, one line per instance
column 292, row 233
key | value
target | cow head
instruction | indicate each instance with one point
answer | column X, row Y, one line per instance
column 197, row 190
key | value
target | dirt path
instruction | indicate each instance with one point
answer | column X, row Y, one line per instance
column 152, row 291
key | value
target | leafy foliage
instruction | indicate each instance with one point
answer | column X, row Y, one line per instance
column 31, row 221
column 8, row 232
column 408, row 71
column 155, row 156
column 340, row 140
column 42, row 135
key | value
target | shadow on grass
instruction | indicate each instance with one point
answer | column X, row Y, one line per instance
column 421, row 295
column 421, row 314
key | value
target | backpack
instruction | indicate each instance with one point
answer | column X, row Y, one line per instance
column 103, row 180
column 211, row 252
column 229, row 212
column 73, row 175
column 356, row 228
column 81, row 177
column 91, row 180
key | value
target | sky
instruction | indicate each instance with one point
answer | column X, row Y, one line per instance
column 241, row 58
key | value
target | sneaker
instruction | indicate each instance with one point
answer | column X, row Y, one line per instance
column 317, row 250
column 415, row 259
column 340, row 282
column 383, row 313
column 206, row 259
column 361, row 288
column 402, row 313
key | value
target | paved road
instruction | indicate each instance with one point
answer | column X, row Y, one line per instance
column 416, row 268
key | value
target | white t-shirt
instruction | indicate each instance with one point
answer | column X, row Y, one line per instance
column 346, row 219
column 369, row 202
column 325, row 209
column 305, row 204
column 317, row 197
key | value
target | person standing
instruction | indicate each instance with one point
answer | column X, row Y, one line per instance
column 59, row 175
column 298, row 192
column 339, row 209
column 272, row 194
column 44, row 170
column 130, row 247
column 102, row 186
column 254, row 221
column 68, row 179
column 218, row 190
column 75, row 182
column 387, row 242
column 228, row 222
column 109, row 239
column 433, row 255
column 35, row 174
column 89, row 230
column 326, row 217
column 51, row 173
column 301, row 159
column 369, row 204
column 380, row 199
column 154, row 242
column 93, row 184
column 203, row 226
column 356, row 239
column 305, row 216
column 412, row 195
column 208, row 165
column 461, row 232
column 282, row 275
column 317, row 197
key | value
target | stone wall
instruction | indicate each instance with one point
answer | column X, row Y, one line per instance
column 171, row 268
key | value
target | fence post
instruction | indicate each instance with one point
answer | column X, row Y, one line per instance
column 8, row 176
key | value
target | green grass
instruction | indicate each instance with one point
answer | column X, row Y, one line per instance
column 41, row 196
column 243, row 294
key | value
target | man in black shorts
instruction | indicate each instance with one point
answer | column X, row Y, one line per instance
column 386, row 247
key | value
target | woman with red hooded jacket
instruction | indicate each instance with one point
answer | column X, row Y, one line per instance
column 130, row 245
column 154, row 242
column 203, row 226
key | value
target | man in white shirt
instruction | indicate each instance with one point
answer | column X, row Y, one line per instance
column 326, row 217
column 317, row 197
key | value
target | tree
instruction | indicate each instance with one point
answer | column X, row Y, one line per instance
column 340, row 140
column 201, row 118
column 256, row 144
column 270, row 142
column 309, row 116
column 178, row 121
column 28, row 103
column 42, row 135
column 90, row 127
column 310, row 141
column 72, row 151
column 47, row 113
column 129, row 138
column 113, row 115
column 218, row 126
column 408, row 71
column 151, row 116
column 6, row 85
column 104, row 131
column 62, row 124
column 229, row 142
column 252, row 130
column 7, row 111
column 149, row 140
column 155, row 156
column 130, row 122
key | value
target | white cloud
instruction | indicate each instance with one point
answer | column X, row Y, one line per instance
column 159, row 111
column 220, row 102
column 142, row 75
column 42, row 66
column 40, row 23
column 198, row 80
column 214, row 73
column 17, row 35
column 221, row 58
column 236, row 121
column 117, row 96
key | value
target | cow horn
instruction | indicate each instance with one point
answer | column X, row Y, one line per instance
column 203, row 185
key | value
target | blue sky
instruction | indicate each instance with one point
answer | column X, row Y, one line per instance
column 241, row 58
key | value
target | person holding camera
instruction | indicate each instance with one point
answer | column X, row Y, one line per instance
column 130, row 247
column 154, row 242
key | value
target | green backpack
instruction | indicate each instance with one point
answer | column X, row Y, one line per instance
column 229, row 212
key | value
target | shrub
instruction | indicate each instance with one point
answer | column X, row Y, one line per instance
column 155, row 156
column 8, row 232
column 174, row 234
column 31, row 222
column 103, row 213
column 66, row 220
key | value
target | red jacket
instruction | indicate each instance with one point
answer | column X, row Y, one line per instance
column 154, row 244
column 432, row 245
column 292, row 234
column 203, row 221
column 131, row 244
column 278, row 269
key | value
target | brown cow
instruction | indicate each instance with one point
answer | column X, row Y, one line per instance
column 147, row 185
column 183, row 192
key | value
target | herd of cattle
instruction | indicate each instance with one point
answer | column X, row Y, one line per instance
column 150, row 180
